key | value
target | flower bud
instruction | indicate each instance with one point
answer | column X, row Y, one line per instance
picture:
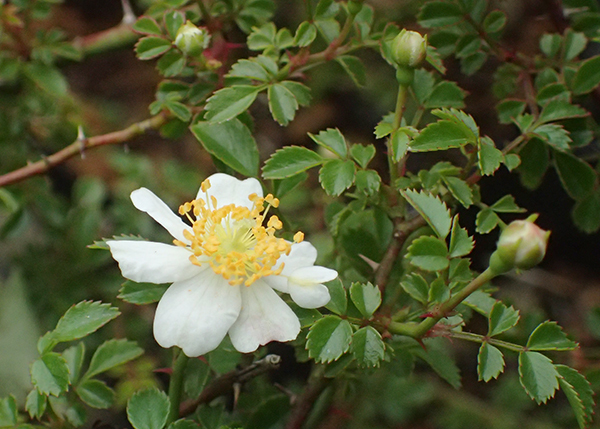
column 192, row 40
column 409, row 49
column 522, row 245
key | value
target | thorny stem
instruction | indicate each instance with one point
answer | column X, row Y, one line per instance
column 79, row 147
column 476, row 338
column 176, row 386
column 419, row 330
column 115, row 37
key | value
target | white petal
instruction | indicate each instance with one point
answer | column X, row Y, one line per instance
column 197, row 313
column 312, row 296
column 301, row 255
column 279, row 283
column 312, row 275
column 264, row 318
column 229, row 190
column 146, row 201
column 146, row 261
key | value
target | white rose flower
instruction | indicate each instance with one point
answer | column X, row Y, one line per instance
column 223, row 269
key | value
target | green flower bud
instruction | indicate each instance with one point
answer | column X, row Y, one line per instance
column 192, row 40
column 409, row 49
column 522, row 245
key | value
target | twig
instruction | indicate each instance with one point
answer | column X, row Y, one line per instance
column 78, row 146
column 316, row 384
column 226, row 382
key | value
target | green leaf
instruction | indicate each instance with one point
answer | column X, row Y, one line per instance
column 501, row 319
column 366, row 298
column 556, row 110
column 289, row 161
column 550, row 44
column 180, row 110
column 399, row 143
column 486, row 221
column 442, row 135
column 574, row 44
column 416, row 286
column 438, row 291
column 35, row 404
column 576, row 175
column 587, row 76
column 367, row 181
column 554, row 135
column 436, row 355
column 283, row 186
column 534, row 163
column 553, row 91
column 227, row 103
column 112, row 353
column 336, row 176
column 82, row 319
column 489, row 156
column 428, row 253
column 362, row 154
column 481, row 302
column 300, row 91
column 367, row 347
column 50, row 374
column 471, row 64
column 47, row 78
column 435, row 14
column 333, row 140
column 95, row 393
column 459, row 189
column 148, row 409
column 460, row 242
column 282, row 103
column 231, row 142
column 186, row 424
column 538, row 376
column 339, row 299
column 494, row 22
column 262, row 37
column 305, row 34
column 508, row 110
column 490, row 362
column 550, row 336
column 171, row 64
column 507, row 204
column 446, row 94
column 74, row 356
column 354, row 67
column 8, row 411
column 173, row 21
column 251, row 69
column 196, row 374
column 328, row 339
column 147, row 25
column 586, row 213
column 433, row 210
column 422, row 85
column 141, row 293
column 151, row 47
column 579, row 393
column 512, row 161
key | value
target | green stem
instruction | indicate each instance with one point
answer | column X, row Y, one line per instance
column 476, row 338
column 419, row 330
column 176, row 386
column 394, row 166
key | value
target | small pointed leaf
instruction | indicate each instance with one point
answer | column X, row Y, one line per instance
column 538, row 376
column 550, row 336
column 366, row 298
column 433, row 210
column 328, row 339
column 490, row 362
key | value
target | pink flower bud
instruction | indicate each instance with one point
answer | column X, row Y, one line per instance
column 522, row 245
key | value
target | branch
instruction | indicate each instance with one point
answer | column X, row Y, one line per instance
column 79, row 146
column 113, row 38
column 227, row 382
column 304, row 403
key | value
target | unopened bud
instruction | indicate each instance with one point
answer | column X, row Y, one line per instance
column 409, row 48
column 192, row 40
column 522, row 245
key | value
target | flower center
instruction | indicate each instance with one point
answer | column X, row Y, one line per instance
column 233, row 240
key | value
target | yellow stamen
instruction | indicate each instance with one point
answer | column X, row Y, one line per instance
column 233, row 240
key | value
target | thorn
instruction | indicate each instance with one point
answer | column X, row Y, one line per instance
column 82, row 140
column 374, row 265
column 128, row 15
column 237, row 388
